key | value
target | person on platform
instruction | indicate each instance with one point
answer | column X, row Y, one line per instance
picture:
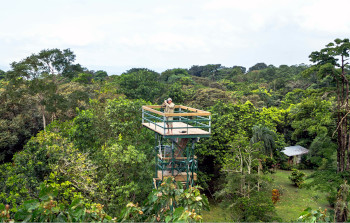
column 169, row 108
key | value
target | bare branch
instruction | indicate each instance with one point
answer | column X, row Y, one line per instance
column 340, row 122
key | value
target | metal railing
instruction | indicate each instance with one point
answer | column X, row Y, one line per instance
column 193, row 118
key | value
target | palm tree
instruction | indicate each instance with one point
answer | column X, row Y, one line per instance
column 267, row 136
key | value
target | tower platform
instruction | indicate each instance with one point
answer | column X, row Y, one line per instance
column 186, row 122
column 180, row 130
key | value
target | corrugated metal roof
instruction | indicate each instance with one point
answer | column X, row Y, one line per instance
column 294, row 150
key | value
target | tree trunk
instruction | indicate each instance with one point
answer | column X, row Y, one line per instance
column 341, row 208
column 259, row 174
column 44, row 121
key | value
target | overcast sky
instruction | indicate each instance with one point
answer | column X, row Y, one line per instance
column 116, row 35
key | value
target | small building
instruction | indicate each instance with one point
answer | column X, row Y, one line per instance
column 294, row 153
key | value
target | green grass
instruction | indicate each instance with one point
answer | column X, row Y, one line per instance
column 292, row 201
column 216, row 213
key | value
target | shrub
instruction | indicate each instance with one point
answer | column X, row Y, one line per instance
column 285, row 166
column 169, row 203
column 48, row 209
column 297, row 177
column 309, row 215
column 275, row 196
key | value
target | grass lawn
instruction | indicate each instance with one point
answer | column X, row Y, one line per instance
column 292, row 200
column 216, row 213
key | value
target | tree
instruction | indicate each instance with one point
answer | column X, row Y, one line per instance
column 243, row 156
column 258, row 66
column 210, row 70
column 228, row 73
column 119, row 173
column 170, row 202
column 229, row 120
column 176, row 92
column 100, row 75
column 34, row 93
column 83, row 78
column 245, row 193
column 19, row 120
column 166, row 75
column 266, row 136
column 51, row 159
column 50, row 61
column 43, row 74
column 73, row 70
column 141, row 84
column 2, row 74
column 332, row 61
column 243, row 69
column 42, row 71
column 313, row 123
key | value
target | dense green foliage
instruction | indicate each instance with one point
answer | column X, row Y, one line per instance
column 169, row 203
column 47, row 208
column 309, row 215
column 79, row 131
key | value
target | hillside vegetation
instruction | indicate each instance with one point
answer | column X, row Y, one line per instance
column 78, row 133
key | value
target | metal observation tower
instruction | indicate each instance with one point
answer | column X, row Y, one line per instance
column 174, row 155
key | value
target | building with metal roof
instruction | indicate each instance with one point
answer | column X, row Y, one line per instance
column 294, row 153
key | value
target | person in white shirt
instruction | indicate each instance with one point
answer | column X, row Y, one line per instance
column 169, row 108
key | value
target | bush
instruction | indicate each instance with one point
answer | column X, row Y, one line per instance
column 331, row 198
column 269, row 165
column 47, row 208
column 303, row 166
column 310, row 215
column 297, row 177
column 275, row 196
column 258, row 207
column 169, row 203
column 285, row 166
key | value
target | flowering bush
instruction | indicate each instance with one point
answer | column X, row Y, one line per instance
column 275, row 196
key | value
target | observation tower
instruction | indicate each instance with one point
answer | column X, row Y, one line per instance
column 174, row 152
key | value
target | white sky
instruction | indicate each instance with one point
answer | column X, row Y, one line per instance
column 116, row 35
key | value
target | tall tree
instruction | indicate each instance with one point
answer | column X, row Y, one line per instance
column 50, row 61
column 100, row 75
column 258, row 66
column 210, row 70
column 43, row 72
column 245, row 193
column 332, row 61
column 141, row 84
column 266, row 136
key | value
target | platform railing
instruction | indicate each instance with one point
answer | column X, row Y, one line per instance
column 193, row 118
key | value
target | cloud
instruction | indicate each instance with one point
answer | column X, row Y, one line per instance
column 80, row 31
column 158, row 33
column 326, row 16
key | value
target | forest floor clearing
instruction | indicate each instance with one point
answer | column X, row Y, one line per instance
column 292, row 201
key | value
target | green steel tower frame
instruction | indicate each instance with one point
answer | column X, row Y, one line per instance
column 175, row 153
